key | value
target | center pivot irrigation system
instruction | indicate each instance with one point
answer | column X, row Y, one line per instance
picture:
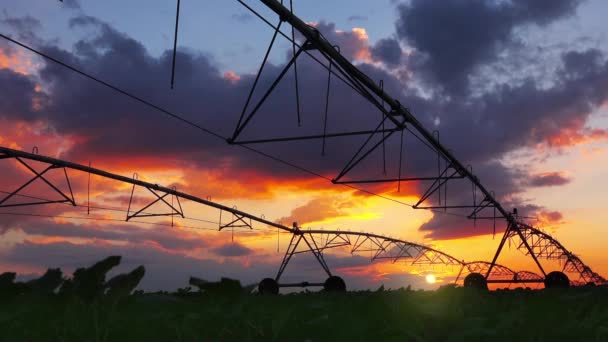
column 394, row 118
column 315, row 242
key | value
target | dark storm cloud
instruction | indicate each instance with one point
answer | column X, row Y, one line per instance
column 523, row 115
column 387, row 50
column 232, row 250
column 113, row 124
column 452, row 38
column 26, row 26
column 19, row 95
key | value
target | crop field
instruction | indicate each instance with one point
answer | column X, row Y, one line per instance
column 450, row 314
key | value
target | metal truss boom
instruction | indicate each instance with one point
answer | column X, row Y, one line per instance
column 313, row 37
column 10, row 153
column 317, row 241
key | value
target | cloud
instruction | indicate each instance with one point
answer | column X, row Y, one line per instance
column 242, row 17
column 357, row 18
column 73, row 4
column 549, row 179
column 175, row 239
column 388, row 51
column 319, row 209
column 550, row 217
column 480, row 128
column 26, row 26
column 453, row 38
column 353, row 44
column 19, row 95
column 233, row 249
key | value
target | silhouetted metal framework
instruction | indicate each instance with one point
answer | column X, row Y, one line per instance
column 394, row 118
column 498, row 273
column 545, row 246
column 316, row 242
column 380, row 247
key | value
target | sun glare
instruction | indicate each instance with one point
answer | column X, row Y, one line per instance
column 430, row 278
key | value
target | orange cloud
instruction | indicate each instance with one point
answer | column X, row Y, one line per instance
column 575, row 136
column 231, row 77
column 321, row 209
column 17, row 61
column 363, row 53
column 550, row 217
column 353, row 44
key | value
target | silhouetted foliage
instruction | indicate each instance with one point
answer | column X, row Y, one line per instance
column 89, row 283
column 225, row 285
column 48, row 283
column 123, row 284
column 7, row 280
column 476, row 281
column 556, row 279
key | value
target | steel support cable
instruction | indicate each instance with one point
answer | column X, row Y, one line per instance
column 202, row 128
column 295, row 65
column 400, row 162
column 353, row 161
column 326, row 108
column 421, row 140
column 175, row 46
column 266, row 94
column 354, row 83
column 113, row 220
column 383, row 134
column 130, row 221
column 104, row 207
column 257, row 78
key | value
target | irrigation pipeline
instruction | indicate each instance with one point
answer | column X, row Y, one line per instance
column 317, row 40
column 317, row 241
column 57, row 163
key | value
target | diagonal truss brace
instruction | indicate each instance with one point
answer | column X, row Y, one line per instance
column 237, row 221
column 244, row 120
column 297, row 237
column 438, row 182
column 39, row 175
column 175, row 210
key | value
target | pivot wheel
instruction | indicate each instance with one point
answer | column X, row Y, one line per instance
column 268, row 286
column 476, row 281
column 334, row 284
column 557, row 279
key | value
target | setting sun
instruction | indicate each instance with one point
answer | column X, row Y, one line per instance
column 430, row 278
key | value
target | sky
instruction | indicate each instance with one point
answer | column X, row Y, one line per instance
column 516, row 89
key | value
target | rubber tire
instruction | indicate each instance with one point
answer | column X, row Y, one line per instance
column 334, row 284
column 557, row 280
column 476, row 281
column 268, row 286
